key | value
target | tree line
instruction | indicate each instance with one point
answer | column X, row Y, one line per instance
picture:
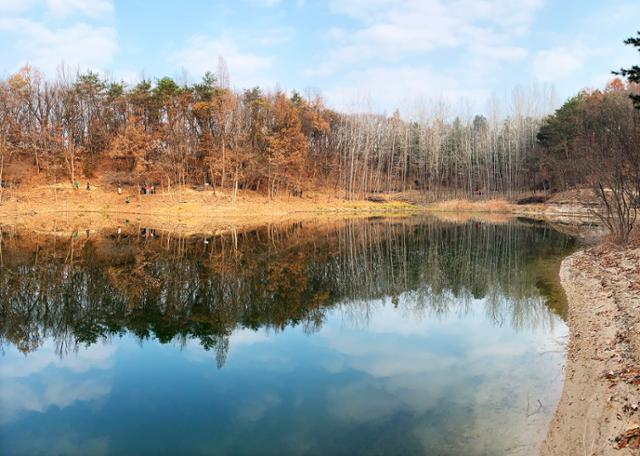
column 206, row 134
column 83, row 125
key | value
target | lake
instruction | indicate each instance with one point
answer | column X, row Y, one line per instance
column 375, row 336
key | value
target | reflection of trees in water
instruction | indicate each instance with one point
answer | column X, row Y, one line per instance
column 436, row 269
column 80, row 289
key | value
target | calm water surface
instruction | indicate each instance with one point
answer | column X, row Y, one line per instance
column 409, row 336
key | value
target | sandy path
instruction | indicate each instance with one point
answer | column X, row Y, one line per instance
column 599, row 407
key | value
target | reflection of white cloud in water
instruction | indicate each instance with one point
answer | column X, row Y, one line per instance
column 382, row 356
column 241, row 337
column 18, row 397
column 246, row 341
column 361, row 402
column 246, row 336
column 15, row 364
column 489, row 377
column 398, row 371
column 255, row 408
column 25, row 388
column 382, row 317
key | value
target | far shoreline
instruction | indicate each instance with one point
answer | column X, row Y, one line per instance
column 54, row 207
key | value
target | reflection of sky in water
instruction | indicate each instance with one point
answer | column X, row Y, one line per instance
column 395, row 382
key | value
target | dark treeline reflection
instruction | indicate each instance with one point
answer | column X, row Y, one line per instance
column 84, row 288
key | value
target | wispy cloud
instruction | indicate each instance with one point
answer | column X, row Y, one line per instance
column 390, row 51
column 395, row 51
column 95, row 9
column 201, row 54
column 79, row 45
column 557, row 63
column 266, row 3
column 77, row 33
column 392, row 30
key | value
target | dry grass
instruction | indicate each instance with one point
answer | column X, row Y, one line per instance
column 43, row 199
column 457, row 205
column 50, row 207
column 473, row 216
column 56, row 208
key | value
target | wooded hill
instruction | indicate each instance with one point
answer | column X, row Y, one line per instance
column 205, row 133
column 210, row 136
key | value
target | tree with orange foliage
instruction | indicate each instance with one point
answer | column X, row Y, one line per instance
column 7, row 128
column 286, row 145
column 131, row 146
column 315, row 126
column 214, row 110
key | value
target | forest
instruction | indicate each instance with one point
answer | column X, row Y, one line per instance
column 207, row 135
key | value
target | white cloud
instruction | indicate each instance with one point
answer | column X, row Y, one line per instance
column 557, row 63
column 265, row 3
column 390, row 30
column 336, row 34
column 57, row 36
column 91, row 8
column 15, row 6
column 403, row 87
column 97, row 9
column 201, row 55
column 274, row 36
column 273, row 3
column 393, row 49
column 586, row 59
column 78, row 45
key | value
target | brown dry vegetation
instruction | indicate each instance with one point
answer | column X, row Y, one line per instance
column 461, row 205
column 53, row 207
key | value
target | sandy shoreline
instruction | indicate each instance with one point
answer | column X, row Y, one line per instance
column 599, row 411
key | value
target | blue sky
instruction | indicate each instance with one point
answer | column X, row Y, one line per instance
column 388, row 53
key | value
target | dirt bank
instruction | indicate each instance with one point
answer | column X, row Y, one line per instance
column 599, row 411
column 52, row 209
column 59, row 207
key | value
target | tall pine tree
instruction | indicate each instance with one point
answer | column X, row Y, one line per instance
column 632, row 74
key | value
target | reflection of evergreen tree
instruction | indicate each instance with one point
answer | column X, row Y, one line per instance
column 178, row 288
